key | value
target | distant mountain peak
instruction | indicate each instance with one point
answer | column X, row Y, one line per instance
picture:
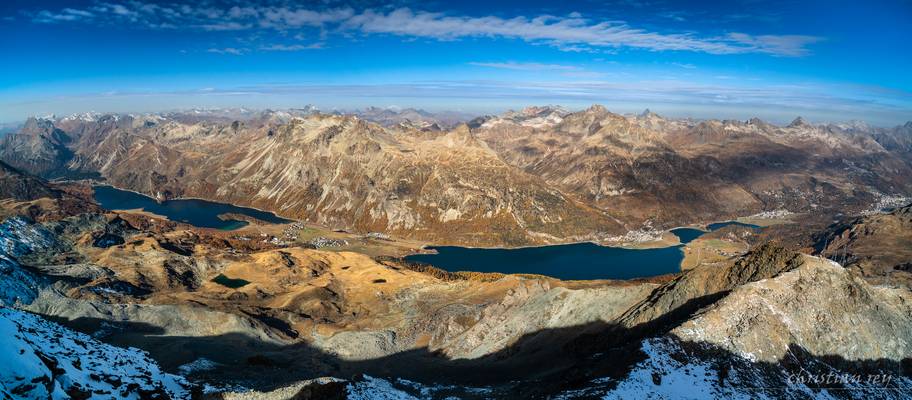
column 37, row 124
column 647, row 114
column 856, row 124
column 533, row 111
column 757, row 122
column 597, row 108
column 309, row 108
column 798, row 122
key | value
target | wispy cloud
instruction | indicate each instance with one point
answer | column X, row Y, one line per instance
column 227, row 50
column 65, row 15
column 572, row 32
column 779, row 45
column 726, row 98
column 684, row 65
column 584, row 74
column 525, row 66
column 284, row 18
column 790, row 97
column 291, row 47
column 674, row 15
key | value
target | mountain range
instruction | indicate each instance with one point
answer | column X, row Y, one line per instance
column 540, row 175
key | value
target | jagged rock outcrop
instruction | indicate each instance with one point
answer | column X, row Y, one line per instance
column 39, row 148
column 820, row 306
column 878, row 245
column 701, row 286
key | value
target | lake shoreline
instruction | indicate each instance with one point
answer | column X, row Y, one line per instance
column 427, row 249
column 94, row 183
column 199, row 213
column 584, row 260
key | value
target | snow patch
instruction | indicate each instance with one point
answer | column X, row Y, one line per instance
column 200, row 364
column 375, row 389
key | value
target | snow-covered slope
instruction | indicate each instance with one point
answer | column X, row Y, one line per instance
column 17, row 238
column 43, row 360
column 673, row 370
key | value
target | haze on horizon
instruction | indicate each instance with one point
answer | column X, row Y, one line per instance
column 774, row 60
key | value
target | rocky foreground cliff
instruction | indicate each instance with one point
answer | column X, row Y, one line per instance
column 542, row 175
column 219, row 317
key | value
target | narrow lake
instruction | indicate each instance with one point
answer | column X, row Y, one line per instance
column 199, row 213
column 570, row 261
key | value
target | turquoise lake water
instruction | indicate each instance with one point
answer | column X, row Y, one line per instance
column 570, row 261
column 199, row 213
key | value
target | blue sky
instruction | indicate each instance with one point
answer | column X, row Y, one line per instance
column 827, row 61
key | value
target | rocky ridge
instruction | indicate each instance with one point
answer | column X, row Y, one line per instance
column 878, row 245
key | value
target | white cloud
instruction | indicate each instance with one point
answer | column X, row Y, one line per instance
column 292, row 47
column 65, row 15
column 684, row 65
column 779, row 45
column 81, row 13
column 227, row 50
column 525, row 66
column 119, row 9
column 584, row 74
column 226, row 26
column 284, row 18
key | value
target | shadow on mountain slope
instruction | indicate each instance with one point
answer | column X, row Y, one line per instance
column 537, row 365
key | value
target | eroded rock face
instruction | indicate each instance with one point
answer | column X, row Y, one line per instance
column 39, row 148
column 878, row 245
column 699, row 287
column 532, row 307
column 820, row 307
